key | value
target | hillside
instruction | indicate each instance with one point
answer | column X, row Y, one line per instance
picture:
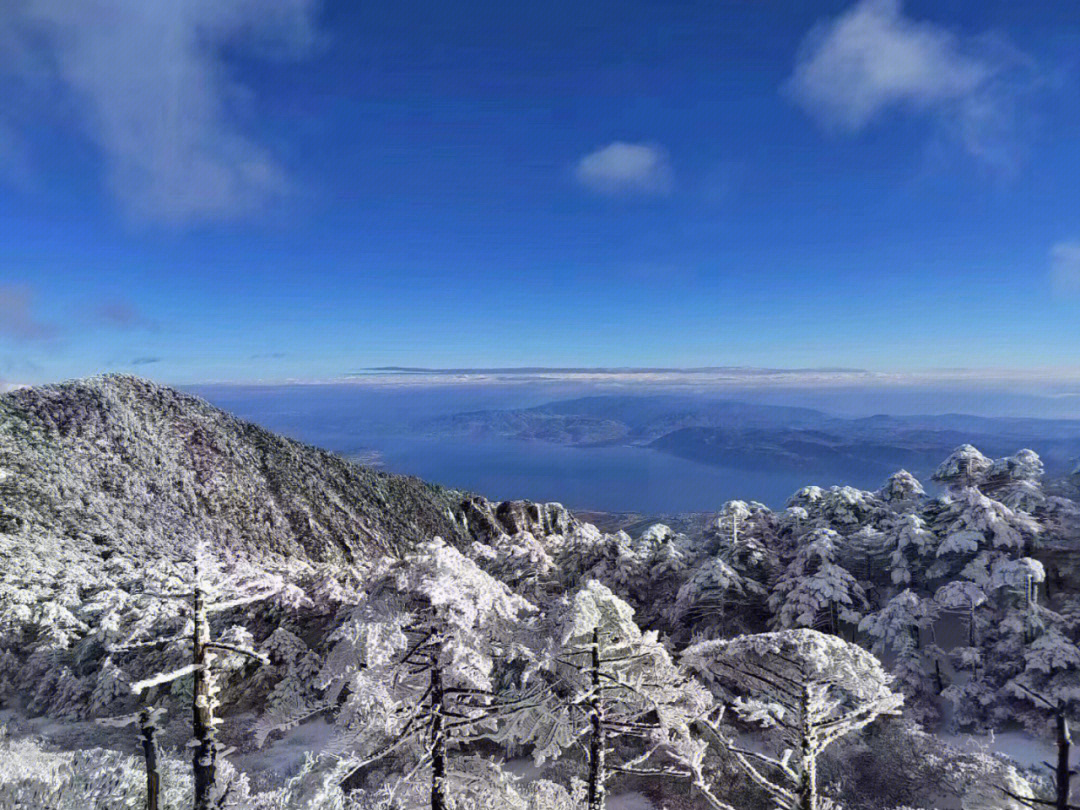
column 108, row 486
column 328, row 570
column 116, row 464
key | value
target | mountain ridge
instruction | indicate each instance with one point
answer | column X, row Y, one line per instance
column 157, row 468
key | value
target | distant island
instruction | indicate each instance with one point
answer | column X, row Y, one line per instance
column 736, row 434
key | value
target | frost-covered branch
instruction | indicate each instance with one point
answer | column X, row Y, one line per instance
column 163, row 678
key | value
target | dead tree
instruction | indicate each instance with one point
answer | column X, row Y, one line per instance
column 148, row 720
column 1063, row 772
column 148, row 729
column 204, row 689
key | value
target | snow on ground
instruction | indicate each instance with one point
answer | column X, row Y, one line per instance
column 524, row 767
column 1027, row 750
column 283, row 757
column 630, row 800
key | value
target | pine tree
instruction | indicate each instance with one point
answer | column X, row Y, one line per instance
column 812, row 688
column 706, row 601
column 1050, row 684
column 896, row 630
column 612, row 687
column 815, row 591
column 428, row 661
column 204, row 652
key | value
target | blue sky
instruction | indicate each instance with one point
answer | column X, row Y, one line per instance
column 269, row 189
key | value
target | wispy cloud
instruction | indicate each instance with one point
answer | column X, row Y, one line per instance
column 148, row 83
column 873, row 60
column 1065, row 267
column 145, row 361
column 120, row 314
column 627, row 169
column 18, row 319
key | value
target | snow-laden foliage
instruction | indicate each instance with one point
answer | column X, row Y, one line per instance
column 426, row 663
column 710, row 599
column 910, row 544
column 809, row 687
column 814, row 590
column 964, row 467
column 611, row 689
column 413, row 667
column 897, row 633
column 32, row 777
column 109, row 485
column 902, row 488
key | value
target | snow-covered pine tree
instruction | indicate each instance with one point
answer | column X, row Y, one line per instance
column 896, row 630
column 612, row 687
column 429, row 661
column 964, row 467
column 624, row 567
column 902, row 491
column 972, row 694
column 206, row 654
column 814, row 590
column 963, row 598
column 1050, row 685
column 521, row 561
column 148, row 721
column 842, row 509
column 706, row 602
column 811, row 687
column 976, row 531
column 910, row 546
column 1019, row 620
column 750, row 546
column 731, row 519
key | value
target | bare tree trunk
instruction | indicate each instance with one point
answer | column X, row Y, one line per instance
column 597, row 742
column 807, row 794
column 148, row 730
column 971, row 625
column 204, row 759
column 1064, row 744
column 438, row 742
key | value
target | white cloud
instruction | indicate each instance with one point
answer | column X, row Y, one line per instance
column 149, row 85
column 1065, row 267
column 626, row 169
column 872, row 59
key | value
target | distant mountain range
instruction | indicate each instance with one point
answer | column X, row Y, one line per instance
column 748, row 435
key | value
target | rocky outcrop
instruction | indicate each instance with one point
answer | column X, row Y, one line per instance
column 484, row 519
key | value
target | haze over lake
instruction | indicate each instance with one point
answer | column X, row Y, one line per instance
column 382, row 424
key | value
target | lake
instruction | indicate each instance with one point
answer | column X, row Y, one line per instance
column 356, row 420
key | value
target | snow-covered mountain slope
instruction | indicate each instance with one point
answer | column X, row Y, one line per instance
column 118, row 465
column 140, row 528
column 109, row 485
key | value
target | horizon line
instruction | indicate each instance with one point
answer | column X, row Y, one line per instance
column 697, row 377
